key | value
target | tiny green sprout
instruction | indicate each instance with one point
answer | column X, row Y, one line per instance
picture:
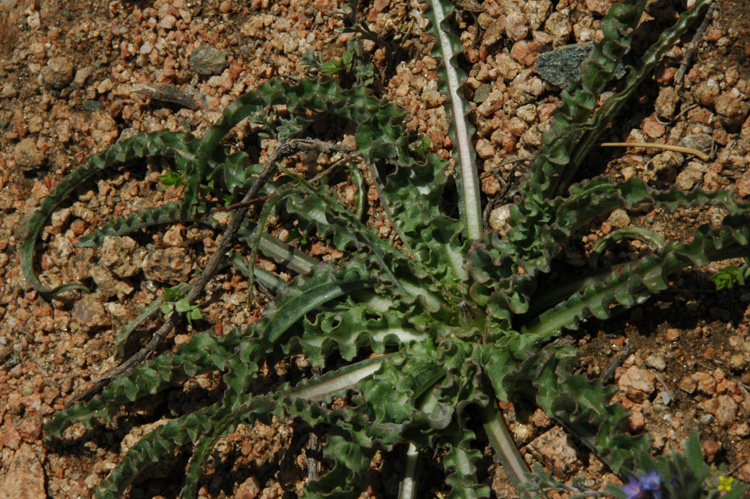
column 330, row 68
column 170, row 179
column 422, row 147
column 174, row 299
column 732, row 275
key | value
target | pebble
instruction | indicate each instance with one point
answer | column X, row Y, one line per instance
column 704, row 382
column 90, row 313
column 516, row 26
column 484, row 149
column 732, row 110
column 207, row 60
column 116, row 255
column 637, row 384
column 82, row 75
column 710, row 448
column 723, row 408
column 527, row 113
column 701, row 141
column 563, row 65
column 666, row 103
column 537, row 11
column 619, row 219
column 525, row 52
column 556, row 447
column 170, row 265
column 706, row 92
column 27, row 155
column 653, row 128
column 58, row 72
column 482, row 93
column 600, row 7
column 8, row 91
column 168, row 22
column 688, row 178
column 499, row 218
column 656, row 361
column 636, row 421
column 559, row 28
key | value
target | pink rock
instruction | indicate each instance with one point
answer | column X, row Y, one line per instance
column 10, row 438
column 555, row 448
column 25, row 478
column 653, row 128
column 687, row 384
column 636, row 421
column 637, row 384
column 31, row 430
column 706, row 382
column 168, row 22
column 723, row 408
column 710, row 448
column 484, row 149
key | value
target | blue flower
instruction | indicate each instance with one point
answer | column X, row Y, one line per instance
column 652, row 483
column 634, row 489
column 639, row 488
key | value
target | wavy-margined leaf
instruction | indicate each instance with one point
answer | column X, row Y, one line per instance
column 633, row 282
column 164, row 441
column 393, row 390
column 322, row 213
column 611, row 108
column 447, row 46
column 169, row 144
column 190, row 359
column 461, row 461
column 552, row 165
column 580, row 405
column 352, row 326
column 169, row 213
column 308, row 293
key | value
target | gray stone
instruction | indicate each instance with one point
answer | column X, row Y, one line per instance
column 562, row 66
column 207, row 60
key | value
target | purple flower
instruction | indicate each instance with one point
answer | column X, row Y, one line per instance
column 652, row 483
column 634, row 489
column 639, row 488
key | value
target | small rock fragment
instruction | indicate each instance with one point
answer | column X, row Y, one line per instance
column 563, row 65
column 637, row 384
column 116, row 253
column 723, row 407
column 207, row 60
column 58, row 72
column 537, row 11
column 705, row 382
column 732, row 110
column 556, row 449
column 710, row 448
column 170, row 265
column 499, row 218
column 27, row 155
column 666, row 103
column 656, row 361
column 619, row 219
column 691, row 175
column 90, row 313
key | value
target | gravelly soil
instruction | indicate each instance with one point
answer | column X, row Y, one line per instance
column 67, row 77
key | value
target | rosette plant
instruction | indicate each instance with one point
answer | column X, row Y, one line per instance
column 421, row 336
